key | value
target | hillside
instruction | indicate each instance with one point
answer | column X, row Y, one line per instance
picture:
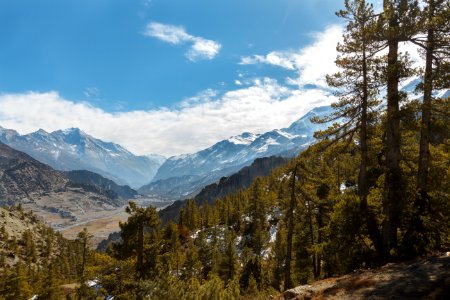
column 51, row 194
column 20, row 230
column 240, row 180
column 23, row 177
column 37, row 262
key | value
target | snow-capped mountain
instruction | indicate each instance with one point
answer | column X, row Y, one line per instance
column 228, row 156
column 73, row 149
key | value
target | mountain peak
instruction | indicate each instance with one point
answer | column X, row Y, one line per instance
column 245, row 138
column 6, row 133
column 304, row 125
column 73, row 130
column 41, row 132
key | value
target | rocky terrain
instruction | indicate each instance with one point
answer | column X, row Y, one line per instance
column 426, row 278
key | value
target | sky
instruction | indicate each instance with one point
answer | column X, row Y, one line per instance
column 164, row 76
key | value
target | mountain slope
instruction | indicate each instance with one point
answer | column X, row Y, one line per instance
column 229, row 156
column 227, row 185
column 50, row 193
column 85, row 178
column 22, row 177
column 240, row 180
column 73, row 149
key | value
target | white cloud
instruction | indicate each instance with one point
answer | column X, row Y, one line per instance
column 312, row 62
column 198, row 122
column 284, row 60
column 200, row 48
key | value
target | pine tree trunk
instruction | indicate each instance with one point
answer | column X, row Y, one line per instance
column 392, row 203
column 319, row 236
column 290, row 232
column 424, row 151
column 311, row 230
column 140, row 251
column 372, row 227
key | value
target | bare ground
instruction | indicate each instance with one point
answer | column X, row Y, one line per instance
column 426, row 278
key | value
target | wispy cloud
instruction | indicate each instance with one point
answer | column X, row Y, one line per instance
column 312, row 62
column 198, row 122
column 91, row 92
column 200, row 48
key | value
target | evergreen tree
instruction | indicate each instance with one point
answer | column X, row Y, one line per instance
column 50, row 287
column 258, row 215
column 397, row 24
column 229, row 262
column 142, row 223
column 21, row 288
column 84, row 239
column 357, row 88
column 290, row 230
column 435, row 40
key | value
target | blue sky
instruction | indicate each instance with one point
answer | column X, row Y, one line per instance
column 160, row 62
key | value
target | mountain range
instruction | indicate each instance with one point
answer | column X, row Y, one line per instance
column 184, row 176
column 73, row 149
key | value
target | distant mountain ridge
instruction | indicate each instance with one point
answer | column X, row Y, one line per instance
column 85, row 178
column 227, row 185
column 240, row 180
column 177, row 173
column 73, row 149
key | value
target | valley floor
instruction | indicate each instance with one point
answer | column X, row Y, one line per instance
column 69, row 215
column 99, row 226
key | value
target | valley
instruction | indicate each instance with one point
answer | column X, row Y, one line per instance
column 101, row 224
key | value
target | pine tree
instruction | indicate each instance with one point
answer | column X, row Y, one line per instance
column 290, row 230
column 50, row 287
column 84, row 239
column 398, row 24
column 279, row 259
column 142, row 223
column 30, row 252
column 258, row 215
column 192, row 265
column 357, row 88
column 21, row 288
column 435, row 39
column 229, row 261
